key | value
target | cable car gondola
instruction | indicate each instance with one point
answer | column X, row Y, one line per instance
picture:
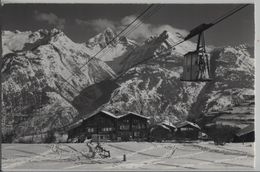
column 196, row 65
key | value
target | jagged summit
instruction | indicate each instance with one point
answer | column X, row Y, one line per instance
column 102, row 39
column 24, row 41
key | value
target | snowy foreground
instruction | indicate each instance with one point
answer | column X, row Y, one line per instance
column 139, row 156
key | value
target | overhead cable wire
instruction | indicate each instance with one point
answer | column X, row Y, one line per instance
column 112, row 40
column 216, row 21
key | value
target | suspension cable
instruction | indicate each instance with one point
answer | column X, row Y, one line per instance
column 219, row 19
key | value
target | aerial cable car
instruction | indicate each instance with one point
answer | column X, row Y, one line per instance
column 196, row 65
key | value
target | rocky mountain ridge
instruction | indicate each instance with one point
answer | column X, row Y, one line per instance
column 41, row 76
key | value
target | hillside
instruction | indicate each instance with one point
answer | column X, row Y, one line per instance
column 37, row 79
column 155, row 87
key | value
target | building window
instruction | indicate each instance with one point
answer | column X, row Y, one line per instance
column 137, row 126
column 136, row 134
column 90, row 130
column 126, row 120
column 186, row 129
column 107, row 129
column 124, row 127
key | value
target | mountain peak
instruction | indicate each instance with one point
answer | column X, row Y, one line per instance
column 109, row 31
column 102, row 39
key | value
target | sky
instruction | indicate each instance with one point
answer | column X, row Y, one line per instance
column 80, row 22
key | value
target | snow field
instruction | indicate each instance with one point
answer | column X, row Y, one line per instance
column 139, row 156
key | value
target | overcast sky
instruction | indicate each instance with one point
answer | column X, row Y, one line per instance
column 82, row 21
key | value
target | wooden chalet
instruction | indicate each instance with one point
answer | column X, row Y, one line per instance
column 132, row 126
column 187, row 130
column 246, row 134
column 99, row 126
column 162, row 131
column 105, row 126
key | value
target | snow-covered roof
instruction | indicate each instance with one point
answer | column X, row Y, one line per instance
column 246, row 130
column 169, row 124
column 133, row 113
column 187, row 123
column 79, row 122
column 103, row 111
column 160, row 125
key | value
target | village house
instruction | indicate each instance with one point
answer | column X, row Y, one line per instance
column 162, row 131
column 187, row 130
column 246, row 134
column 132, row 126
column 105, row 126
column 99, row 126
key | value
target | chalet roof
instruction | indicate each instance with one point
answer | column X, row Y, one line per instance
column 160, row 125
column 168, row 124
column 103, row 111
column 79, row 122
column 133, row 113
column 246, row 130
column 185, row 123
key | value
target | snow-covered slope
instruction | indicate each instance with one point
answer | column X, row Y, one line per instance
column 37, row 77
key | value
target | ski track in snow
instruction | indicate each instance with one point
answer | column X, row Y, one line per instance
column 140, row 164
column 149, row 156
column 120, row 156
column 21, row 161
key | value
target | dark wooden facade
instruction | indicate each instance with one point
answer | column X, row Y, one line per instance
column 101, row 126
column 162, row 131
column 19, row 119
column 246, row 134
column 187, row 131
column 104, row 126
column 132, row 126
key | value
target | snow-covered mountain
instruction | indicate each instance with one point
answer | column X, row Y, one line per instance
column 123, row 52
column 38, row 65
column 112, row 47
column 154, row 88
column 37, row 78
